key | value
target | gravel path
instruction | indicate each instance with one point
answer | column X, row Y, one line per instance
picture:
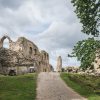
column 51, row 87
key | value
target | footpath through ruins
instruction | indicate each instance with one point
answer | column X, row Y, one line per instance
column 51, row 87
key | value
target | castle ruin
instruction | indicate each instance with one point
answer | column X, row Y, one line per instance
column 23, row 56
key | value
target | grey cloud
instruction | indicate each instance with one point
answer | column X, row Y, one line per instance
column 60, row 35
column 13, row 4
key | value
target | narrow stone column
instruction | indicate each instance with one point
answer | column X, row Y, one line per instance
column 59, row 64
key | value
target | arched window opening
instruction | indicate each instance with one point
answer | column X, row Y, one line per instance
column 42, row 57
column 30, row 50
column 35, row 51
column 45, row 55
column 6, row 43
column 39, row 63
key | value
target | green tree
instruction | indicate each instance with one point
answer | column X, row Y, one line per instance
column 85, row 51
column 88, row 11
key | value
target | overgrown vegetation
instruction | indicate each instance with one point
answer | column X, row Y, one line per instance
column 85, row 85
column 18, row 87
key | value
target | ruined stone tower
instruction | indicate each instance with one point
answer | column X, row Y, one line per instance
column 59, row 64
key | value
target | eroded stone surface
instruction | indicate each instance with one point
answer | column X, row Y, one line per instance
column 59, row 64
column 51, row 87
column 22, row 56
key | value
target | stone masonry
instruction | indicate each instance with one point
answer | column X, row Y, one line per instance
column 59, row 64
column 23, row 56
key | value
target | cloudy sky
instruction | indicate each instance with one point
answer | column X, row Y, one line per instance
column 51, row 24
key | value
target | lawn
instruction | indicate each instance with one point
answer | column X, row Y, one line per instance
column 21, row 87
column 85, row 85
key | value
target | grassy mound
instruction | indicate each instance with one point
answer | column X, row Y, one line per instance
column 18, row 87
column 85, row 85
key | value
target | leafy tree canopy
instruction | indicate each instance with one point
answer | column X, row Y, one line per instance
column 85, row 51
column 88, row 11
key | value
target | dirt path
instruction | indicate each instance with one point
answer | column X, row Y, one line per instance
column 51, row 87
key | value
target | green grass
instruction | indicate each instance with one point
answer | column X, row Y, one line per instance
column 85, row 85
column 21, row 87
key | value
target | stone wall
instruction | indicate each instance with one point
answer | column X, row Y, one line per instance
column 44, row 61
column 21, row 56
column 96, row 63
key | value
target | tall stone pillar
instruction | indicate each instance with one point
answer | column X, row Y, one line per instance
column 59, row 64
